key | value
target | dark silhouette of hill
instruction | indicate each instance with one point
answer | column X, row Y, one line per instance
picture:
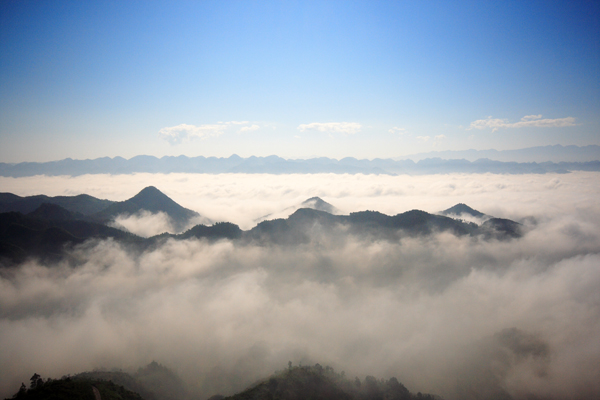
column 461, row 209
column 220, row 230
column 306, row 224
column 83, row 203
column 149, row 199
column 152, row 382
column 500, row 228
column 54, row 212
column 73, row 388
column 48, row 231
column 318, row 383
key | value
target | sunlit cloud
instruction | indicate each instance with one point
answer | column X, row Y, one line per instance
column 332, row 127
column 400, row 131
column 438, row 139
column 527, row 121
column 186, row 132
column 249, row 128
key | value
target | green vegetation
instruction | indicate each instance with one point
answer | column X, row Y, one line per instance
column 73, row 388
column 318, row 383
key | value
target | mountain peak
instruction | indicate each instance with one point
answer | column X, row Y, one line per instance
column 149, row 192
column 462, row 208
column 153, row 200
column 317, row 203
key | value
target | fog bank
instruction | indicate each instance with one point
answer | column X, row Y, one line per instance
column 459, row 317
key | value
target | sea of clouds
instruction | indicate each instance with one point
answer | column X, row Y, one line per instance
column 458, row 317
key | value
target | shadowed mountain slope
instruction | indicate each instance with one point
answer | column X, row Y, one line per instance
column 50, row 229
column 83, row 203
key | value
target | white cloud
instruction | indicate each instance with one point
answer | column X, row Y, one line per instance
column 438, row 139
column 144, row 223
column 338, row 127
column 424, row 138
column 249, row 128
column 400, row 131
column 525, row 122
column 183, row 132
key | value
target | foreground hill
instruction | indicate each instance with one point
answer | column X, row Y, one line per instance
column 152, row 382
column 318, row 383
column 156, row 382
column 76, row 388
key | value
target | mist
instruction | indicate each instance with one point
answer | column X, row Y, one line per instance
column 460, row 317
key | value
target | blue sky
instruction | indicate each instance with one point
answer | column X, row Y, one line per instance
column 297, row 79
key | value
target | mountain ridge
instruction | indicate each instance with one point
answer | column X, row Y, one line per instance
column 585, row 158
column 51, row 229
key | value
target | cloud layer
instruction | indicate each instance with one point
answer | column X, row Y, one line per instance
column 525, row 122
column 447, row 315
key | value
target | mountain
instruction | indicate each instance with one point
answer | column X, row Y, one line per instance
column 54, row 212
column 51, row 229
column 46, row 233
column 462, row 209
column 83, row 203
column 535, row 160
column 306, row 225
column 152, row 382
column 73, row 388
column 156, row 382
column 540, row 154
column 315, row 203
column 149, row 199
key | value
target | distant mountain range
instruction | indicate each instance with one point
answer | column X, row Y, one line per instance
column 62, row 222
column 540, row 154
column 547, row 160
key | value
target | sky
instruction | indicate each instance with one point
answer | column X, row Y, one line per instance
column 295, row 79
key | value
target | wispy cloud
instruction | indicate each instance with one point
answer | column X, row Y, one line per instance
column 424, row 138
column 249, row 128
column 438, row 139
column 395, row 129
column 525, row 122
column 182, row 132
column 331, row 127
